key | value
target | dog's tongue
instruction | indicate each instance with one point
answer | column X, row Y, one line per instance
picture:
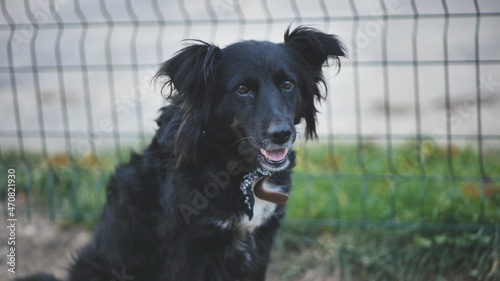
column 274, row 155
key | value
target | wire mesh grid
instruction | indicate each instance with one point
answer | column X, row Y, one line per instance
column 419, row 84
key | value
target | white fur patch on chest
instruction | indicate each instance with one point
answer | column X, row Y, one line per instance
column 262, row 210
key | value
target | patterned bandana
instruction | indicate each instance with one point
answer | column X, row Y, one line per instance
column 246, row 188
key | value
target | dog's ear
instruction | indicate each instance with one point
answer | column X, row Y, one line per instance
column 313, row 49
column 191, row 77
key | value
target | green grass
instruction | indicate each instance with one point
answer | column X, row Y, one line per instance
column 386, row 254
column 331, row 184
column 353, row 214
column 63, row 187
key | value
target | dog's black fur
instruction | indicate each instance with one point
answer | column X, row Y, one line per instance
column 176, row 212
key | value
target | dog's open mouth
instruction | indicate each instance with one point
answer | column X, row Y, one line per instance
column 275, row 156
column 275, row 160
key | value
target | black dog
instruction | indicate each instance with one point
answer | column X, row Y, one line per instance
column 205, row 199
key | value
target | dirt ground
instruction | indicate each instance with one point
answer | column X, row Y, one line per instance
column 42, row 246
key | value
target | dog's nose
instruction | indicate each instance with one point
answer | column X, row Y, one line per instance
column 279, row 134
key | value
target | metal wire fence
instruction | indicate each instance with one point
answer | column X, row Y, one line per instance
column 409, row 135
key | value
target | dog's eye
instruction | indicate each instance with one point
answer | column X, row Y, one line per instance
column 287, row 85
column 242, row 89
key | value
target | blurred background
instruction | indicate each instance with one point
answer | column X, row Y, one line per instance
column 403, row 183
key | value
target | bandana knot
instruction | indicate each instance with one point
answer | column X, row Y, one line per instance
column 246, row 188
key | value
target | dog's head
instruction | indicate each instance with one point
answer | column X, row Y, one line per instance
column 255, row 91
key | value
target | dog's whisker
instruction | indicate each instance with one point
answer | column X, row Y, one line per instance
column 249, row 139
